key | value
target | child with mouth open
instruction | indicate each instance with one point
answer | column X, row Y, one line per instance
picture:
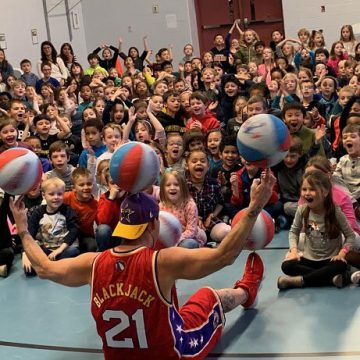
column 207, row 195
column 176, row 199
column 9, row 135
column 293, row 115
column 174, row 152
column 323, row 260
column 348, row 167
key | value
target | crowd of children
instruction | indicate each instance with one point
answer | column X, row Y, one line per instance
column 74, row 118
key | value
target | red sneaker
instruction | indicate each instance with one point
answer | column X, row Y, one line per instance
column 251, row 280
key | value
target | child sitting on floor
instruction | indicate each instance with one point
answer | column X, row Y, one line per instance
column 175, row 198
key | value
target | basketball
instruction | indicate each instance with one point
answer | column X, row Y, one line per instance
column 134, row 166
column 264, row 139
column 170, row 229
column 20, row 171
column 261, row 234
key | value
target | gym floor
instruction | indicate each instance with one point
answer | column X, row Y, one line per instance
column 43, row 320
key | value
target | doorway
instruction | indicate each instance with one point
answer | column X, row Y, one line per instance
column 217, row 16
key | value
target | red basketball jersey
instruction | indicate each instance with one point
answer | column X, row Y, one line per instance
column 135, row 321
column 131, row 315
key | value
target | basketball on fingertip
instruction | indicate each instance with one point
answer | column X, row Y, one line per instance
column 261, row 234
column 134, row 166
column 20, row 171
column 263, row 139
column 170, row 230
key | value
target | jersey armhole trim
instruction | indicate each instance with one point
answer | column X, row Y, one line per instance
column 92, row 277
column 156, row 280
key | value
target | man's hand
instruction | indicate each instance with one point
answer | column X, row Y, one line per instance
column 20, row 214
column 261, row 190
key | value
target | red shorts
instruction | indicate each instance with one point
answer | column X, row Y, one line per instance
column 203, row 322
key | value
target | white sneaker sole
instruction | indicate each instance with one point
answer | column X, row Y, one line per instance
column 355, row 278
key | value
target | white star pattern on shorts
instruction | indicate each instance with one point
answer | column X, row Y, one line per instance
column 178, row 328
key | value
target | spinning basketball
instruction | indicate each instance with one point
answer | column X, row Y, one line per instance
column 262, row 232
column 263, row 138
column 170, row 229
column 20, row 171
column 134, row 166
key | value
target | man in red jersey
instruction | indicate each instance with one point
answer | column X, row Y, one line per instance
column 133, row 299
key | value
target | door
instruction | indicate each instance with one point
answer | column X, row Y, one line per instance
column 217, row 16
column 262, row 19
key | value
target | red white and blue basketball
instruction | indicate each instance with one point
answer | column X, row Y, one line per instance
column 263, row 138
column 134, row 166
column 170, row 229
column 261, row 234
column 20, row 171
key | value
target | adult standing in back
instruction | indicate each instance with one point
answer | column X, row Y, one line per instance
column 5, row 68
column 58, row 68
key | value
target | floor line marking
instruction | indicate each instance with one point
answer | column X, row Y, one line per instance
column 211, row 355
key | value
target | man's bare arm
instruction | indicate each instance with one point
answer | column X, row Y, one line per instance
column 69, row 272
column 178, row 263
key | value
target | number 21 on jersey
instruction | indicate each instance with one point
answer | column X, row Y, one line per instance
column 124, row 323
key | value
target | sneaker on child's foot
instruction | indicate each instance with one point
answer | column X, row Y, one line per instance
column 3, row 271
column 251, row 280
column 338, row 281
column 282, row 222
column 355, row 277
column 212, row 244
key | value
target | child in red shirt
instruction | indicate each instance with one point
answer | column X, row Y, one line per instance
column 82, row 201
column 201, row 119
